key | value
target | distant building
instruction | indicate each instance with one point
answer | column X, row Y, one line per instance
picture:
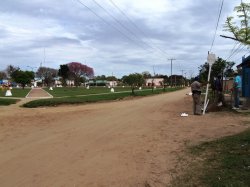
column 112, row 83
column 245, row 65
column 154, row 82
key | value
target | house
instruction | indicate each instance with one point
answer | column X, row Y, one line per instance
column 93, row 82
column 245, row 65
column 154, row 82
column 112, row 83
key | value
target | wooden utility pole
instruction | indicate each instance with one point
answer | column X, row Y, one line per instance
column 171, row 59
column 182, row 80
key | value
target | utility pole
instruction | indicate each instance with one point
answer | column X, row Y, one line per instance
column 171, row 59
column 182, row 77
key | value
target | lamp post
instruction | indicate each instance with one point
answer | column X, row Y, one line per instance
column 32, row 68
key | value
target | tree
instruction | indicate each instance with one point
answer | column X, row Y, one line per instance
column 111, row 78
column 3, row 75
column 10, row 69
column 47, row 75
column 219, row 67
column 22, row 77
column 146, row 75
column 78, row 70
column 240, row 33
column 134, row 80
column 64, row 73
column 102, row 77
column 165, row 81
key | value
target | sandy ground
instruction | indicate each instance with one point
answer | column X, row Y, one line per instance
column 123, row 143
column 38, row 93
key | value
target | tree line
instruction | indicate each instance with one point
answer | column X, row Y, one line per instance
column 79, row 73
column 74, row 71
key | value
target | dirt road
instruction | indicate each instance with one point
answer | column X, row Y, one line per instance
column 125, row 143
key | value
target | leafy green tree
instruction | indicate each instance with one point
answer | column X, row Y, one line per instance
column 22, row 77
column 134, row 80
column 3, row 75
column 165, row 81
column 102, row 77
column 240, row 30
column 146, row 75
column 111, row 78
column 47, row 75
column 78, row 70
column 10, row 69
column 220, row 66
column 64, row 73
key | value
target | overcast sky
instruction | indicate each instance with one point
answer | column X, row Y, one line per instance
column 116, row 37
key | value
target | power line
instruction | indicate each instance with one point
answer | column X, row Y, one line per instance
column 108, row 23
column 141, row 31
column 122, row 25
column 241, row 57
column 218, row 20
column 232, row 51
column 239, row 49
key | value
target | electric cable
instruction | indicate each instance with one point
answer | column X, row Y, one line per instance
column 109, row 24
column 122, row 25
column 135, row 26
column 217, row 24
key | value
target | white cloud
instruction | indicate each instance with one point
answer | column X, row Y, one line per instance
column 71, row 32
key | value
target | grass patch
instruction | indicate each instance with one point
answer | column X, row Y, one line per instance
column 78, row 91
column 74, row 100
column 16, row 92
column 5, row 102
column 91, row 98
column 224, row 162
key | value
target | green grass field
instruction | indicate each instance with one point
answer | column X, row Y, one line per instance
column 74, row 91
column 223, row 162
column 97, row 95
column 16, row 92
column 5, row 102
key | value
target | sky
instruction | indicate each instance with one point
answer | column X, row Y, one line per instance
column 116, row 37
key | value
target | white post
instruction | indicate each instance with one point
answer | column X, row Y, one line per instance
column 211, row 59
column 8, row 93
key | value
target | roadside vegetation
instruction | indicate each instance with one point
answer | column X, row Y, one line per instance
column 96, row 97
column 5, row 102
column 16, row 92
column 223, row 162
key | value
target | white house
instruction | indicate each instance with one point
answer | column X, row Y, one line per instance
column 155, row 81
column 112, row 83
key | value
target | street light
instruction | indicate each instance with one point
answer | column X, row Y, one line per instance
column 32, row 68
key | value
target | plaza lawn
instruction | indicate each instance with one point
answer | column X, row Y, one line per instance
column 93, row 97
column 5, row 102
column 16, row 92
column 78, row 91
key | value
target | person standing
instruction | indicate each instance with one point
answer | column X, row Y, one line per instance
column 237, row 85
column 196, row 94
column 218, row 89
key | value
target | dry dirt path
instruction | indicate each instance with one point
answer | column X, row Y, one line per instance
column 35, row 93
column 38, row 93
column 125, row 143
